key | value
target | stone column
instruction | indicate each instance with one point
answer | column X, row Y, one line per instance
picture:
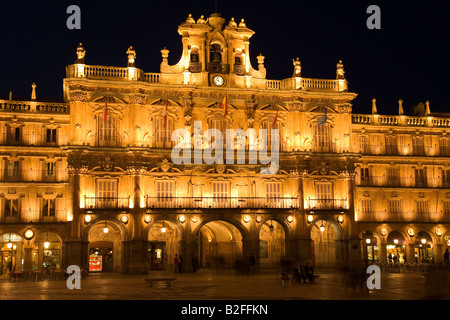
column 27, row 259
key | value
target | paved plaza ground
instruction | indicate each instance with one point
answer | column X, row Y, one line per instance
column 209, row 284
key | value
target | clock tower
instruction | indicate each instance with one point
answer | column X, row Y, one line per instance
column 216, row 54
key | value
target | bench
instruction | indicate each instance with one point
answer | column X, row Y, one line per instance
column 168, row 281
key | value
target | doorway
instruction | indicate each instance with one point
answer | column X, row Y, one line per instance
column 101, row 256
column 157, row 255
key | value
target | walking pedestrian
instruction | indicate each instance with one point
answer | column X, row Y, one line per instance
column 176, row 262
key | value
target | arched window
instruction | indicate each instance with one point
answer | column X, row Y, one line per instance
column 215, row 53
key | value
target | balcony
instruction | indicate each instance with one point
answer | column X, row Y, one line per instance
column 40, row 140
column 327, row 204
column 407, row 217
column 19, row 175
column 106, row 202
column 221, row 203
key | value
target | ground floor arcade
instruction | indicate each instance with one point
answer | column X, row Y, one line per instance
column 215, row 241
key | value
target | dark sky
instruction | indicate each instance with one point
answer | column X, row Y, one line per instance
column 408, row 58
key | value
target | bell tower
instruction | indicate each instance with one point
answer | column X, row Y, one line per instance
column 214, row 54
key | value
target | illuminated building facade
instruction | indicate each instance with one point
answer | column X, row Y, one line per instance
column 92, row 181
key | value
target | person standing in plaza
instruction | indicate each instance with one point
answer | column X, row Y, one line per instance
column 446, row 256
column 176, row 262
column 252, row 264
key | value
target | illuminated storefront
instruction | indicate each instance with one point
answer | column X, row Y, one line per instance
column 423, row 251
column 11, row 248
column 396, row 248
column 370, row 247
column 46, row 252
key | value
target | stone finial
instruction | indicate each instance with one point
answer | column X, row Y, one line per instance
column 242, row 24
column 340, row 70
column 33, row 91
column 81, row 53
column 427, row 109
column 374, row 106
column 260, row 59
column 232, row 23
column 297, row 67
column 400, row 107
column 190, row 19
column 165, row 53
column 131, row 57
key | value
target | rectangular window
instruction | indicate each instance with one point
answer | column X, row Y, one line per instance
column 393, row 176
column 11, row 207
column 421, row 177
column 324, row 195
column 444, row 148
column 49, row 207
column 164, row 189
column 107, row 131
column 273, row 190
column 322, row 137
column 447, row 207
column 107, row 194
column 50, row 169
column 14, row 135
column 366, row 206
column 13, row 169
column 391, row 145
column 446, row 178
column 418, row 146
column 163, row 131
column 363, row 145
column 422, row 207
column 364, row 176
column 394, row 207
column 50, row 136
column 220, row 189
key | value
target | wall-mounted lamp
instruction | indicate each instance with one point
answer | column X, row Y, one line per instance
column 290, row 218
column 87, row 218
column 182, row 218
column 147, row 218
column 124, row 219
column 310, row 218
column 247, row 218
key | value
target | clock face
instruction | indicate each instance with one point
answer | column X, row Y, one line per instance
column 218, row 81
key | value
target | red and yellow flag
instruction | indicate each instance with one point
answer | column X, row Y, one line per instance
column 275, row 120
column 225, row 105
column 165, row 113
column 105, row 112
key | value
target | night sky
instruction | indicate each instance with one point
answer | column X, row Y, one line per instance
column 407, row 59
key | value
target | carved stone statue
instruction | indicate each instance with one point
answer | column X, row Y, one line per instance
column 297, row 67
column 81, row 53
column 340, row 70
column 131, row 57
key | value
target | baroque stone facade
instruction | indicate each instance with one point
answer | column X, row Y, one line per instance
column 347, row 188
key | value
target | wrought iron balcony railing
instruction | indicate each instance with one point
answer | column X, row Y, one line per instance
column 106, row 202
column 219, row 203
column 327, row 204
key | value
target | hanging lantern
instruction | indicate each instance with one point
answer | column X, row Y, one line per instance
column 46, row 243
column 163, row 228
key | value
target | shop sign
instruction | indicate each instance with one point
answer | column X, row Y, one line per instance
column 11, row 237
